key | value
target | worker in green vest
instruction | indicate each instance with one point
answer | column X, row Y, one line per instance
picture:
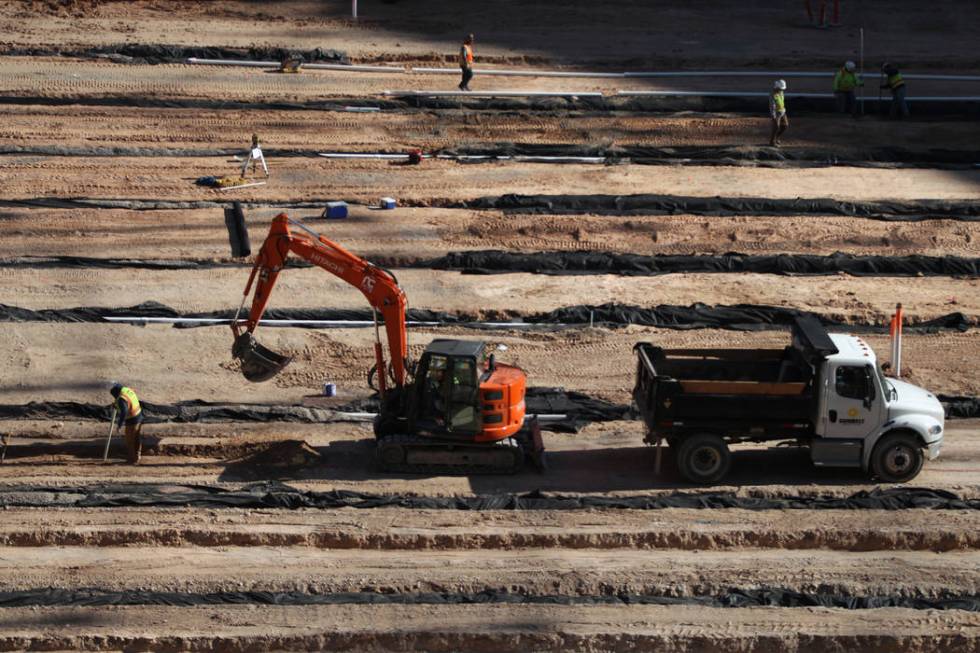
column 777, row 112
column 129, row 413
column 894, row 82
column 846, row 82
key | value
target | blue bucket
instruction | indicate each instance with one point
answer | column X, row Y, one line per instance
column 329, row 389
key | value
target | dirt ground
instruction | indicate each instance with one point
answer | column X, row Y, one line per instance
column 646, row 35
column 136, row 136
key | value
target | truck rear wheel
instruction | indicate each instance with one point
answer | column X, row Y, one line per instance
column 897, row 458
column 704, row 458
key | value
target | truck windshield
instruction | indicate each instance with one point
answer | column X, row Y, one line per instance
column 888, row 391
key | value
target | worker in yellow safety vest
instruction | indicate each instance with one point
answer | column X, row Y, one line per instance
column 130, row 414
column 895, row 83
column 777, row 112
column 846, row 82
column 466, row 62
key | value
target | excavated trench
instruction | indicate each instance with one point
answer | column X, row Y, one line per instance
column 691, row 538
column 272, row 494
column 730, row 598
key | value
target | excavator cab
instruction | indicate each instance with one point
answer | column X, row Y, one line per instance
column 448, row 382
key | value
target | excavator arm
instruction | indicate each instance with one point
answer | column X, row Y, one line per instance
column 377, row 284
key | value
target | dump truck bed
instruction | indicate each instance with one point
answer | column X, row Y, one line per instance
column 733, row 388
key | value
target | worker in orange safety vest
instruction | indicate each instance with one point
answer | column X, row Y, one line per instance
column 130, row 414
column 466, row 62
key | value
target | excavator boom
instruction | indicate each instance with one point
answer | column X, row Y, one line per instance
column 378, row 285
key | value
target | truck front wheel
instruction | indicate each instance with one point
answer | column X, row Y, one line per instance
column 897, row 458
column 703, row 458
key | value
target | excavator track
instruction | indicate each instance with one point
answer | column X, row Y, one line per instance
column 413, row 454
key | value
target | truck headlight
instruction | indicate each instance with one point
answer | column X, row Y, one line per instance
column 935, row 430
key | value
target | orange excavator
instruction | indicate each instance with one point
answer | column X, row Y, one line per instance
column 455, row 410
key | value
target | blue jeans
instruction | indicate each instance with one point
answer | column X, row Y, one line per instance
column 899, row 108
column 846, row 102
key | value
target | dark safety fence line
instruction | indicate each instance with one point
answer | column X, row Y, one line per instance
column 587, row 262
column 578, row 408
column 157, row 53
column 732, row 598
column 592, row 262
column 739, row 317
column 678, row 204
column 273, row 494
column 954, row 108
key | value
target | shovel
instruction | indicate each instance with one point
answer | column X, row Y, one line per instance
column 112, row 425
column 258, row 363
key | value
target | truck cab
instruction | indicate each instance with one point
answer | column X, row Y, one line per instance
column 858, row 405
column 824, row 391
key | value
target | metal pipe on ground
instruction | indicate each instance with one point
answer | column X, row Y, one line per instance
column 970, row 98
column 232, row 62
column 325, row 324
column 523, row 158
column 355, row 68
column 313, row 66
column 494, row 93
column 671, row 74
column 517, row 73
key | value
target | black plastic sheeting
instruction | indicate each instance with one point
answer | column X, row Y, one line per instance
column 272, row 494
column 53, row 262
column 183, row 412
column 198, row 103
column 740, row 317
column 965, row 108
column 732, row 598
column 959, row 407
column 585, row 262
column 159, row 53
column 592, row 262
column 579, row 408
column 682, row 205
column 952, row 109
column 732, row 154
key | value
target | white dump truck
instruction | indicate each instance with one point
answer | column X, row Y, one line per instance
column 825, row 391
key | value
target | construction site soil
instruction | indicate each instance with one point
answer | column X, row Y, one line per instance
column 246, row 535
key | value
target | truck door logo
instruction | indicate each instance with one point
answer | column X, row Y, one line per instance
column 852, row 412
column 852, row 417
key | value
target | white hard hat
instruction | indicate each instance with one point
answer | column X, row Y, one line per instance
column 849, row 65
column 779, row 84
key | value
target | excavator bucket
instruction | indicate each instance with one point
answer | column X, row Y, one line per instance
column 258, row 363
